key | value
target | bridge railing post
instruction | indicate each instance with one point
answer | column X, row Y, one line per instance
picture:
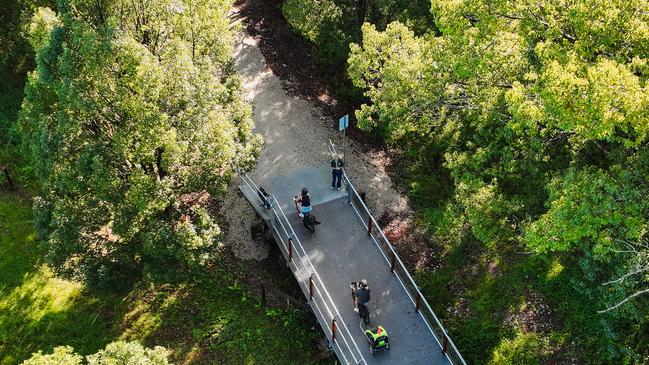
column 349, row 193
column 445, row 343
column 418, row 301
column 290, row 249
column 262, row 298
column 369, row 225
column 393, row 261
column 333, row 329
column 310, row 287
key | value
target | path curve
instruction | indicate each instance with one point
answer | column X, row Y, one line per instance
column 295, row 133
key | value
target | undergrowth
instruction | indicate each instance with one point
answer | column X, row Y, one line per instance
column 206, row 319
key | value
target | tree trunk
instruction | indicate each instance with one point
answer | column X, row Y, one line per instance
column 8, row 177
column 361, row 11
column 158, row 162
column 375, row 15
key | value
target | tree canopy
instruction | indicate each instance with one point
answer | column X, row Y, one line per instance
column 527, row 122
column 115, row 353
column 133, row 118
column 538, row 114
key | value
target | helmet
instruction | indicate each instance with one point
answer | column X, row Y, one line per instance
column 364, row 283
column 305, row 191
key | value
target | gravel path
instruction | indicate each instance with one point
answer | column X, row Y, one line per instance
column 295, row 132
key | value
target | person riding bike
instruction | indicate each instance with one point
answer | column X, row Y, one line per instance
column 303, row 203
column 303, row 206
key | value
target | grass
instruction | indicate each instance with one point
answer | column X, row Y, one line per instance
column 37, row 310
column 206, row 320
column 211, row 322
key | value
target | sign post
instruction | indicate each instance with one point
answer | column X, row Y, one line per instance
column 343, row 123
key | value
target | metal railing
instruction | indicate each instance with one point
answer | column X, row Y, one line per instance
column 397, row 267
column 312, row 286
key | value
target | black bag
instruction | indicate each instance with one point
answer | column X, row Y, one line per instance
column 263, row 195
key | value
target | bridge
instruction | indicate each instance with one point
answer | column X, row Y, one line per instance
column 349, row 245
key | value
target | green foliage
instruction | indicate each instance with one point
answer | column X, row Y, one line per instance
column 588, row 207
column 524, row 349
column 16, row 59
column 396, row 52
column 43, row 22
column 207, row 319
column 332, row 25
column 312, row 18
column 126, row 123
column 232, row 328
column 62, row 355
column 125, row 353
column 534, row 115
column 37, row 310
column 321, row 22
column 508, row 120
column 116, row 353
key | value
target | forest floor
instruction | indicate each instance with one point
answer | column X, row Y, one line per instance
column 208, row 318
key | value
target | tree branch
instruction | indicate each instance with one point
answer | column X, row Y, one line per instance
column 623, row 277
column 565, row 35
column 512, row 17
column 624, row 301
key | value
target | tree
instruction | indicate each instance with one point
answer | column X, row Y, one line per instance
column 635, row 274
column 503, row 115
column 62, row 355
column 115, row 353
column 16, row 59
column 126, row 353
column 126, row 124
column 534, row 112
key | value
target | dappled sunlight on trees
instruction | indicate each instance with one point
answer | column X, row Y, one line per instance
column 526, row 125
column 132, row 107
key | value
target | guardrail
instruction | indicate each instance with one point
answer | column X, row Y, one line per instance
column 397, row 267
column 312, row 286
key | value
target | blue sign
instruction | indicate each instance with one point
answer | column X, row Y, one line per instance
column 343, row 122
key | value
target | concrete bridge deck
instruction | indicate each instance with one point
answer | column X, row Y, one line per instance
column 339, row 252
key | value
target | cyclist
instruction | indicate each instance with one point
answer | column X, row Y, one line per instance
column 303, row 203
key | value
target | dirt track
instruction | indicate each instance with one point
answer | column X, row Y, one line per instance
column 294, row 132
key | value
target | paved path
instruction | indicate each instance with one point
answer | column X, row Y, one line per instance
column 295, row 156
column 340, row 252
column 295, row 136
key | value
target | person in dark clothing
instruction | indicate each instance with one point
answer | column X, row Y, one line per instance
column 337, row 172
column 303, row 202
column 361, row 294
column 264, row 197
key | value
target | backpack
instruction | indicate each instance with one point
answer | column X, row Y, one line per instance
column 306, row 200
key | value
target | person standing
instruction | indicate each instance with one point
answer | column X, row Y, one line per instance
column 337, row 165
column 361, row 295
